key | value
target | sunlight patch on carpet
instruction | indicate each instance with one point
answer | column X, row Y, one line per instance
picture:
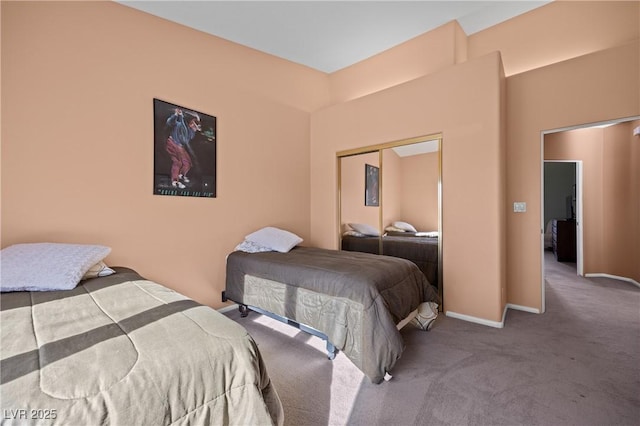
column 278, row 326
column 345, row 385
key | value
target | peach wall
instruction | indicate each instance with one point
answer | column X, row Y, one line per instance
column 78, row 79
column 422, row 55
column 620, row 202
column 352, row 171
column 468, row 114
column 558, row 31
column 596, row 87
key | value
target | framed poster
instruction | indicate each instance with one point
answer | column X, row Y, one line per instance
column 371, row 186
column 184, row 160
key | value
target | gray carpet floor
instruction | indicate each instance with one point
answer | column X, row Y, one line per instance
column 576, row 364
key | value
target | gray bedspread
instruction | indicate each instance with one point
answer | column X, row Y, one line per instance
column 356, row 299
column 122, row 350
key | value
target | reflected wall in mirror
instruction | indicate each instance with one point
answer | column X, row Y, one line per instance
column 408, row 222
column 357, row 218
column 411, row 176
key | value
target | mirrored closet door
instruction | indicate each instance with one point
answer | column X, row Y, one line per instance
column 390, row 202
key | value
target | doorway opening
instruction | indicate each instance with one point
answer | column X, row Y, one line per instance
column 562, row 216
column 562, row 213
column 575, row 156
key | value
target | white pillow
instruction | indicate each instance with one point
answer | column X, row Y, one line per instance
column 404, row 226
column 47, row 266
column 274, row 238
column 365, row 229
column 251, row 247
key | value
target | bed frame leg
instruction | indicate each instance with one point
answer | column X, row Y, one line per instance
column 331, row 351
column 244, row 311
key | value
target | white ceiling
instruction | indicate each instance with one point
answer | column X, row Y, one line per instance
column 330, row 35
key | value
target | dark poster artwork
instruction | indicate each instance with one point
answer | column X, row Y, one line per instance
column 184, row 151
column 371, row 185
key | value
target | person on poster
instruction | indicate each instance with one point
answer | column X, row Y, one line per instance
column 180, row 134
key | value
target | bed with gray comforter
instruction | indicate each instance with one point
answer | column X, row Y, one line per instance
column 355, row 299
column 122, row 350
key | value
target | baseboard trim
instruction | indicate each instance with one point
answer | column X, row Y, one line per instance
column 228, row 308
column 482, row 321
column 615, row 277
column 523, row 308
column 489, row 323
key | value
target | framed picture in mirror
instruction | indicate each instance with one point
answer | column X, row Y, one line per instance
column 371, row 185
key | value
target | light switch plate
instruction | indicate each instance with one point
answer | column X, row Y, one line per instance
column 519, row 207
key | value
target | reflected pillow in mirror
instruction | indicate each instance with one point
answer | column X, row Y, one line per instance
column 404, row 226
column 353, row 233
column 394, row 229
column 365, row 229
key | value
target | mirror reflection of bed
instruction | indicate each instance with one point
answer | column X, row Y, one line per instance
column 406, row 223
